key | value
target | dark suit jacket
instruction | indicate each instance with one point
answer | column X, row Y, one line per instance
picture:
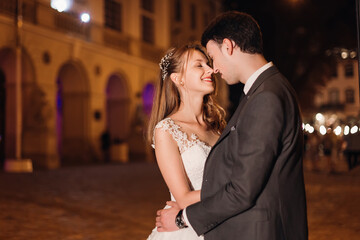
column 253, row 185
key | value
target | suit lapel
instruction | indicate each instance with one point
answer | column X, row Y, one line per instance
column 232, row 121
column 231, row 124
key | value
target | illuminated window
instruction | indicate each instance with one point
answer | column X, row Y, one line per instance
column 113, row 13
column 349, row 96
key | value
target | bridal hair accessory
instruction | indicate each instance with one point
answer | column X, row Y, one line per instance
column 164, row 64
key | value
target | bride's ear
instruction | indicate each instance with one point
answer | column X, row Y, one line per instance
column 176, row 79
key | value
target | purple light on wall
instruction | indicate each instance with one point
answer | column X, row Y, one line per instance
column 59, row 111
column 148, row 97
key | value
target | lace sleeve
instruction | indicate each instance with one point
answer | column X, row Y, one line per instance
column 179, row 136
column 165, row 125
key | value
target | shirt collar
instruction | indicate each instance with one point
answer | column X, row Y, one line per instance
column 254, row 76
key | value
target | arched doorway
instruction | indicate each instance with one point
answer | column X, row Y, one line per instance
column 33, row 122
column 72, row 116
column 8, row 66
column 118, row 116
column 2, row 118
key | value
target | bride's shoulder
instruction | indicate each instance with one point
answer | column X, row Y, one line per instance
column 166, row 124
column 167, row 129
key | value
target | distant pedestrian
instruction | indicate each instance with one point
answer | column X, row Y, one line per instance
column 105, row 146
column 352, row 149
column 329, row 143
column 312, row 149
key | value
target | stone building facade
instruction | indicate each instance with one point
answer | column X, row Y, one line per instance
column 81, row 79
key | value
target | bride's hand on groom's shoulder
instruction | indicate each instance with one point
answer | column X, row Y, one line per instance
column 165, row 219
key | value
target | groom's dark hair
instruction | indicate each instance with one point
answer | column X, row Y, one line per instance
column 237, row 26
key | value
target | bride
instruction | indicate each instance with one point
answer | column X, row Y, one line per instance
column 185, row 122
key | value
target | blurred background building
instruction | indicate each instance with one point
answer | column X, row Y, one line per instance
column 336, row 101
column 87, row 72
column 340, row 95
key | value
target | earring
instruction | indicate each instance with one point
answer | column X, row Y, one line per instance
column 181, row 83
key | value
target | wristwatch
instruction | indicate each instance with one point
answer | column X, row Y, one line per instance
column 179, row 220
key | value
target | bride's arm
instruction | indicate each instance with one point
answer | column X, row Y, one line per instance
column 172, row 169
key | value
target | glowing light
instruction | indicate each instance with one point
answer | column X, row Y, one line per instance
column 85, row 17
column 352, row 54
column 337, row 130
column 344, row 55
column 322, row 130
column 61, row 5
column 354, row 129
column 346, row 130
column 308, row 128
column 319, row 117
column 311, row 129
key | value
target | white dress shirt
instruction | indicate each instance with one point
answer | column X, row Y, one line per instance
column 254, row 76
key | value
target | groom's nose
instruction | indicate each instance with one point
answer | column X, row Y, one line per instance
column 210, row 70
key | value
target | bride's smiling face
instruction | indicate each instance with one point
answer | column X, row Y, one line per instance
column 198, row 74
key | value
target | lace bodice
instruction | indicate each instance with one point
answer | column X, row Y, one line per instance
column 193, row 151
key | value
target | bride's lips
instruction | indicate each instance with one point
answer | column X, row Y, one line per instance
column 207, row 79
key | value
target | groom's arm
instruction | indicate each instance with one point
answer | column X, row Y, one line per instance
column 254, row 153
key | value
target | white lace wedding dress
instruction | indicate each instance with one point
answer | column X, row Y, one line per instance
column 193, row 153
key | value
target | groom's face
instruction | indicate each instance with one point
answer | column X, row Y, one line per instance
column 220, row 63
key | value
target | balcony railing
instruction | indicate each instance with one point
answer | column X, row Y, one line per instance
column 43, row 15
column 332, row 107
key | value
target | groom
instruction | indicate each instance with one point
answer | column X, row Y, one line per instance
column 253, row 186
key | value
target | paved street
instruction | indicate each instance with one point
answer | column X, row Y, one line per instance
column 118, row 201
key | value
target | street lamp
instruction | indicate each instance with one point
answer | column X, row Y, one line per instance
column 61, row 5
column 85, row 17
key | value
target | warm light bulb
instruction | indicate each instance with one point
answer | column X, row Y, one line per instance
column 354, row 129
column 337, row 130
column 344, row 55
column 61, row 5
column 85, row 17
column 322, row 130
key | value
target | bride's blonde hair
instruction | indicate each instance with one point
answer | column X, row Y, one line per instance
column 167, row 97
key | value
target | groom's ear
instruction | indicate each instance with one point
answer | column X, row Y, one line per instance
column 228, row 45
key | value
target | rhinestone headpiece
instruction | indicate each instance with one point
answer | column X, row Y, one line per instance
column 164, row 64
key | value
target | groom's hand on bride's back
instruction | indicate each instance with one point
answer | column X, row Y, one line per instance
column 165, row 218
